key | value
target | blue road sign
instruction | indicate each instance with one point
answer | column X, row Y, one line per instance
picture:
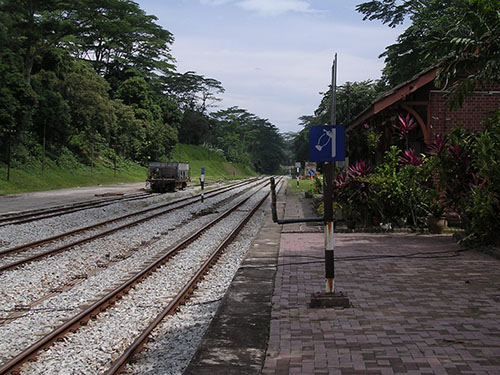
column 327, row 143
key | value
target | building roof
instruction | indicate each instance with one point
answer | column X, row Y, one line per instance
column 398, row 93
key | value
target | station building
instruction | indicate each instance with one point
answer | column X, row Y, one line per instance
column 429, row 106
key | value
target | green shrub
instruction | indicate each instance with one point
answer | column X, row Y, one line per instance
column 468, row 171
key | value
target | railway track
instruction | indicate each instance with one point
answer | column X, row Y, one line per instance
column 161, row 269
column 16, row 218
column 34, row 215
column 24, row 289
column 161, row 209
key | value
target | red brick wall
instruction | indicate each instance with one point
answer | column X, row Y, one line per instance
column 470, row 115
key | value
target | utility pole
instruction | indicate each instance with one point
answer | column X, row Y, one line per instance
column 328, row 196
column 348, row 91
column 333, row 112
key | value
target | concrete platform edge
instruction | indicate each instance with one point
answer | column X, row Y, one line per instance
column 237, row 338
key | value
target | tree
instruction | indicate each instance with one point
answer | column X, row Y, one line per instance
column 301, row 139
column 230, row 133
column 474, row 44
column 195, row 128
column 194, row 94
column 390, row 12
column 16, row 99
column 35, row 26
column 91, row 109
column 160, row 137
column 413, row 52
column 52, row 118
column 120, row 40
column 171, row 112
column 115, row 35
column 127, row 133
column 268, row 148
column 463, row 35
column 246, row 138
column 192, row 91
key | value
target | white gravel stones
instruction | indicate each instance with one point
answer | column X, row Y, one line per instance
column 175, row 341
column 30, row 282
column 25, row 285
column 13, row 235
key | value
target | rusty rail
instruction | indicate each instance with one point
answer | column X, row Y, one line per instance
column 59, row 249
column 184, row 294
column 110, row 298
column 30, row 216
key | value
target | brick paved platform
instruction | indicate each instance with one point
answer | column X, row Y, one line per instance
column 419, row 306
column 430, row 311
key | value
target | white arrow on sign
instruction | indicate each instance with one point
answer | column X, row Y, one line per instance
column 331, row 135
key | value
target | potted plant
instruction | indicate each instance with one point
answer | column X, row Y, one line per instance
column 436, row 222
column 351, row 215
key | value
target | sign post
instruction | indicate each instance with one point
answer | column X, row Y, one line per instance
column 327, row 144
column 202, row 182
column 297, row 165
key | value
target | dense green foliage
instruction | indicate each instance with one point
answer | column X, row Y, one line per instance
column 462, row 35
column 97, row 80
column 246, row 138
column 461, row 175
column 468, row 169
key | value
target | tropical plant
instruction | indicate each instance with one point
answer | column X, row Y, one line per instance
column 410, row 157
column 404, row 126
column 352, row 191
column 372, row 140
column 401, row 187
column 467, row 168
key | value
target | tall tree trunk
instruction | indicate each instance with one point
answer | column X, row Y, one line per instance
column 43, row 155
column 8, row 157
column 29, row 59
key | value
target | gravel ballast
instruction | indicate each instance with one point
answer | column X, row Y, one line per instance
column 51, row 312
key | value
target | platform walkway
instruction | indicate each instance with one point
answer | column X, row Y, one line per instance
column 420, row 305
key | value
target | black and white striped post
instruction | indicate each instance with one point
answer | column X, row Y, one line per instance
column 330, row 298
column 202, row 182
column 328, row 197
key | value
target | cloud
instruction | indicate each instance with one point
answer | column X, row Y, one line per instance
column 276, row 7
column 267, row 7
column 215, row 2
column 278, row 85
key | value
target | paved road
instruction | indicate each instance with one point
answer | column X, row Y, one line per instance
column 51, row 198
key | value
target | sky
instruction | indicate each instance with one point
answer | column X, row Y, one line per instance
column 273, row 57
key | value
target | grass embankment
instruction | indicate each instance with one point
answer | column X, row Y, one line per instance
column 31, row 178
column 216, row 167
column 304, row 186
